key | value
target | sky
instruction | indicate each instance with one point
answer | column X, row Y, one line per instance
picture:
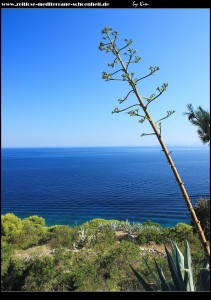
column 53, row 94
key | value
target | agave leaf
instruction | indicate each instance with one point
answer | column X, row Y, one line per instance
column 164, row 284
column 173, row 251
column 188, row 265
column 173, row 269
column 178, row 265
column 171, row 285
column 186, row 279
column 145, row 285
column 179, row 256
column 204, row 280
column 178, row 259
column 152, row 273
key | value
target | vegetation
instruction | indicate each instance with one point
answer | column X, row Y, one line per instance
column 23, row 234
column 124, row 73
column 181, row 273
column 95, row 256
column 200, row 118
column 202, row 209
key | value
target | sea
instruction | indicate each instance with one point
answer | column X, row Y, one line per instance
column 73, row 185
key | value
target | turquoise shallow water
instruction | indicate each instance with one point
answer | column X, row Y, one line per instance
column 73, row 185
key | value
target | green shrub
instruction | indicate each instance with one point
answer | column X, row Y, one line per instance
column 150, row 234
column 65, row 282
column 105, row 267
column 14, row 278
column 41, row 275
column 32, row 234
column 202, row 210
column 96, row 223
column 11, row 226
column 60, row 235
column 104, row 236
column 182, row 232
column 6, row 254
column 36, row 220
column 23, row 233
column 151, row 223
column 114, row 266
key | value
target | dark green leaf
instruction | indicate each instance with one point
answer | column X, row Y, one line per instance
column 145, row 285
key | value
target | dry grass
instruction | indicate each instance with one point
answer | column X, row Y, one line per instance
column 33, row 252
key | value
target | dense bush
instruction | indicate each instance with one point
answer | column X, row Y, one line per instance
column 14, row 278
column 60, row 235
column 182, row 232
column 41, row 275
column 23, row 233
column 36, row 220
column 11, row 227
column 6, row 254
column 151, row 223
column 104, row 236
column 32, row 234
column 202, row 210
column 96, row 223
column 150, row 234
column 106, row 268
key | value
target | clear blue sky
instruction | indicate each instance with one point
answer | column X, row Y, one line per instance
column 52, row 90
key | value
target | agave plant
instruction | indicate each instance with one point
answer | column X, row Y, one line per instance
column 100, row 226
column 123, row 73
column 82, row 236
column 181, row 273
column 113, row 225
column 127, row 226
column 137, row 226
column 204, row 279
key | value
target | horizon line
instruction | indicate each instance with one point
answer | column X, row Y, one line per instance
column 120, row 146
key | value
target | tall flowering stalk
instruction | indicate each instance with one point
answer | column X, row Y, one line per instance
column 109, row 45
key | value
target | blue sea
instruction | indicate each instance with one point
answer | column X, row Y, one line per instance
column 74, row 185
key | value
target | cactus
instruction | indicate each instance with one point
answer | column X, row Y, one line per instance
column 100, row 225
column 180, row 267
column 83, row 234
column 127, row 227
column 113, row 225
column 82, row 237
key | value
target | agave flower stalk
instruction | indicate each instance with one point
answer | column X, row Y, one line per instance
column 123, row 74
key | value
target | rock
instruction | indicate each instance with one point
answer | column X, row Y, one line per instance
column 154, row 251
column 122, row 235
